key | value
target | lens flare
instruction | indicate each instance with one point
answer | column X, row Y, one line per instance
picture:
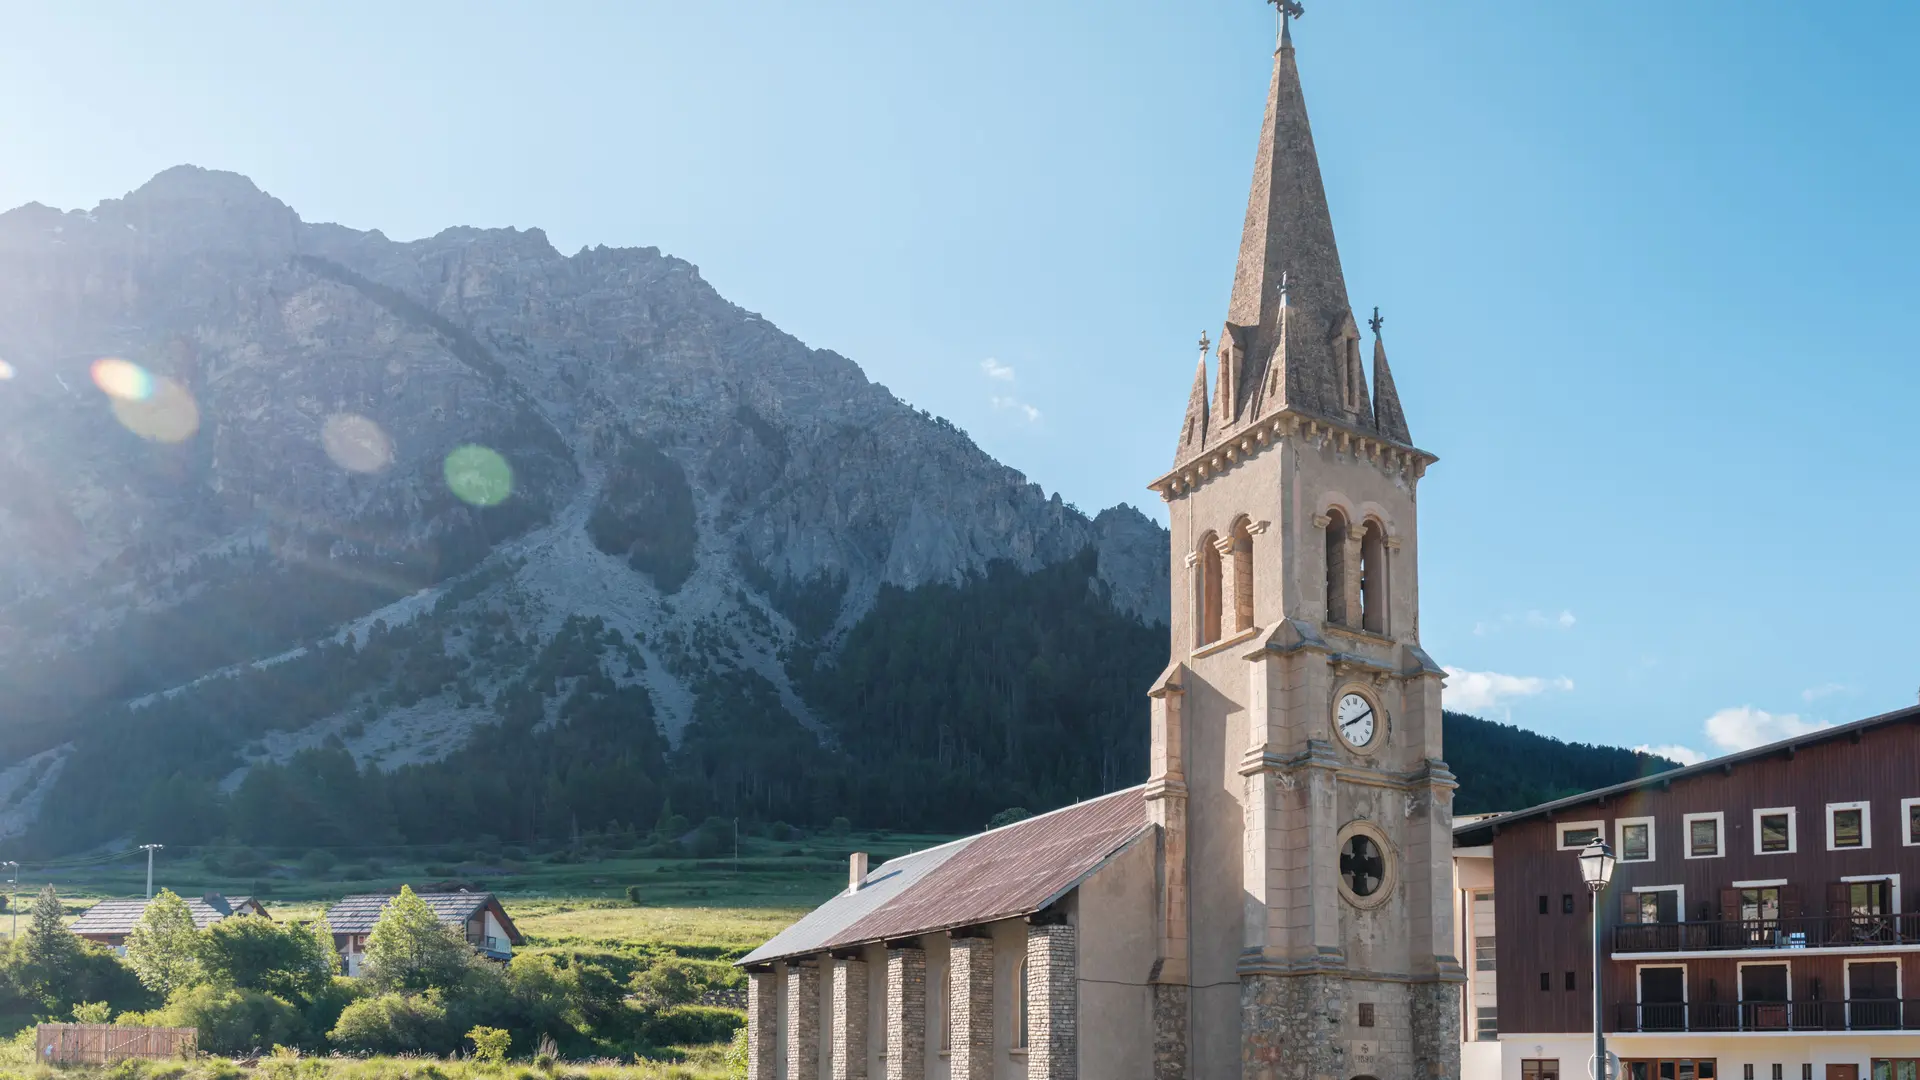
column 166, row 413
column 356, row 443
column 122, row 380
column 479, row 476
column 6, row 370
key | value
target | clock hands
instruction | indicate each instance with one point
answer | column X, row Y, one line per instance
column 1356, row 720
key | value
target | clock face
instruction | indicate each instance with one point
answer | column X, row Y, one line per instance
column 1355, row 720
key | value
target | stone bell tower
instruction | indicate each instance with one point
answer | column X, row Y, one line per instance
column 1297, row 775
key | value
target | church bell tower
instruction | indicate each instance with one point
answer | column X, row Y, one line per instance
column 1305, row 916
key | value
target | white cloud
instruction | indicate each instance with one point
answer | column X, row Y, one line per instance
column 994, row 369
column 1685, row 755
column 1482, row 690
column 1815, row 693
column 1745, row 727
column 1016, row 405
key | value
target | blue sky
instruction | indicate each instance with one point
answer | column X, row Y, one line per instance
column 1646, row 271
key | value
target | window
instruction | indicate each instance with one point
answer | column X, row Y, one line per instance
column 1566, row 903
column 1910, row 822
column 1207, row 556
column 1336, row 567
column 1373, row 578
column 1366, row 1014
column 1806, row 1071
column 1644, row 906
column 1763, row 998
column 1540, row 1069
column 1023, row 1002
column 1669, row 1069
column 1575, row 835
column 1633, row 838
column 1848, row 826
column 1486, row 1025
column 1757, row 903
column 1543, row 905
column 1483, row 954
column 1573, row 982
column 1776, row 831
column 1779, row 1071
column 1746, row 1071
column 1240, row 539
column 1546, row 980
column 1892, row 1069
column 1704, row 833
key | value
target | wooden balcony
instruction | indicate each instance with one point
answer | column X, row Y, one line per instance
column 1799, row 932
column 1860, row 1014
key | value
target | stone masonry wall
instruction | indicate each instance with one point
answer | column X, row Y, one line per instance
column 970, row 1008
column 803, row 1021
column 1290, row 1027
column 1053, row 1007
column 1436, row 1030
column 849, row 1036
column 906, row 1014
column 763, row 1027
column 1171, row 1015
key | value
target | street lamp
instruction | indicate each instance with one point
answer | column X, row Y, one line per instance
column 1596, row 867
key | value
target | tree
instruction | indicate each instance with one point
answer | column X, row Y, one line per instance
column 165, row 948
column 52, row 952
column 252, row 953
column 411, row 949
column 490, row 1044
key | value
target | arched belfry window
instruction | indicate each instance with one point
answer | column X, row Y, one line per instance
column 1336, row 567
column 1207, row 562
column 1373, row 578
column 1240, row 541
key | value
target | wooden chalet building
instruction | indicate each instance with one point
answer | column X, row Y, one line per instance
column 110, row 921
column 477, row 915
column 1763, row 922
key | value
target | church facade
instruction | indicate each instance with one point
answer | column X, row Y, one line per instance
column 1276, row 900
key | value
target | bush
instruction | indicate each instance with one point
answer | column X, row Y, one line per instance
column 689, row 1025
column 93, row 1012
column 636, row 895
column 393, row 1024
column 317, row 863
column 230, row 1021
column 782, row 832
column 678, row 980
column 840, row 826
column 1008, row 816
column 489, row 1044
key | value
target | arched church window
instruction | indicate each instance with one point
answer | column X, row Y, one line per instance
column 1373, row 578
column 1362, row 865
column 1336, row 567
column 1241, row 538
column 1208, row 600
column 1023, row 1003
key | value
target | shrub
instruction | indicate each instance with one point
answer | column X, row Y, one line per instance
column 393, row 1024
column 489, row 1044
column 840, row 826
column 317, row 863
column 93, row 1012
column 688, row 1025
column 635, row 895
column 782, row 832
column 230, row 1021
column 678, row 980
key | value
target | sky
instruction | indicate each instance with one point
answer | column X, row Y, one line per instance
column 1646, row 270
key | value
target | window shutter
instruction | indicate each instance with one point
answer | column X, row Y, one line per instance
column 1729, row 904
column 1836, row 898
column 1629, row 909
column 1790, row 905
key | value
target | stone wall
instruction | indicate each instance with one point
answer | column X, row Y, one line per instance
column 763, row 1026
column 803, row 1020
column 970, row 1008
column 849, row 1032
column 1435, row 1008
column 906, row 1014
column 1053, row 1006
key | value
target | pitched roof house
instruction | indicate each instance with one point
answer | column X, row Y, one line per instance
column 479, row 916
column 110, row 921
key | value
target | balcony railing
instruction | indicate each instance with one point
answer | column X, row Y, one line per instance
column 1799, row 932
column 1858, row 1014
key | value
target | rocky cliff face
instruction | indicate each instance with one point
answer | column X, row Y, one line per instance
column 225, row 432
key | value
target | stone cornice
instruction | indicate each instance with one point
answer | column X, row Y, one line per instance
column 1259, row 436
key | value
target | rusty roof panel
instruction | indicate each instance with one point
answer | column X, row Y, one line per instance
column 1010, row 871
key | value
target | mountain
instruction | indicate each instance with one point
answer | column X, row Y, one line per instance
column 317, row 538
column 243, row 451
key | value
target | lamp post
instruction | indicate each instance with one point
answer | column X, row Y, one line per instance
column 1596, row 866
column 150, row 849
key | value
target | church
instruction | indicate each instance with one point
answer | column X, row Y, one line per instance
column 1275, row 901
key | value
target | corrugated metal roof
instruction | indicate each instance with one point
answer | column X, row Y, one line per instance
column 110, row 917
column 1015, row 870
column 357, row 914
column 1006, row 872
column 831, row 919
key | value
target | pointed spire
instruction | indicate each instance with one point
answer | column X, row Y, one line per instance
column 1289, row 231
column 1387, row 415
column 1193, row 427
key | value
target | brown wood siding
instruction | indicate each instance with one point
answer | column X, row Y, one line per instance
column 1882, row 768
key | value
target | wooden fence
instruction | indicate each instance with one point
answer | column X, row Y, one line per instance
column 104, row 1044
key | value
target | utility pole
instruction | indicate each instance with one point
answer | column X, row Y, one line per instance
column 736, row 847
column 13, row 901
column 150, row 849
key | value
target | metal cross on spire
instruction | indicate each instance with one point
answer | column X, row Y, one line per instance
column 1283, row 288
column 1376, row 322
column 1204, row 343
column 1284, row 10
